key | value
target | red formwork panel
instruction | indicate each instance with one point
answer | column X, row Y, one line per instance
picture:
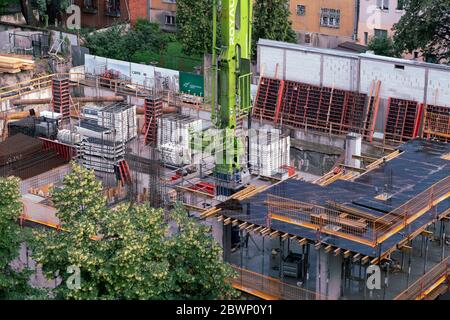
column 61, row 96
column 65, row 151
column 267, row 98
column 153, row 111
column 322, row 108
column 313, row 107
column 436, row 123
column 402, row 120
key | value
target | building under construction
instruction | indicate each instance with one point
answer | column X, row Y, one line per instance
column 378, row 127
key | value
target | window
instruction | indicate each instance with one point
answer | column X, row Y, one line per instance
column 301, row 9
column 307, row 38
column 366, row 38
column 400, row 4
column 170, row 20
column 330, row 17
column 383, row 4
column 381, row 33
column 89, row 6
column 113, row 8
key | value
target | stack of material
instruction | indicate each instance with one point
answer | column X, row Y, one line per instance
column 174, row 134
column 90, row 129
column 121, row 119
column 15, row 64
column 269, row 152
column 18, row 147
column 101, row 155
column 23, row 156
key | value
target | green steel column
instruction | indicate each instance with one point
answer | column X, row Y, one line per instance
column 234, row 90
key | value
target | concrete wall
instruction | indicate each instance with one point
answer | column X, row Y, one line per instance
column 404, row 79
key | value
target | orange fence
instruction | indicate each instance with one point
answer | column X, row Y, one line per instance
column 270, row 288
column 356, row 225
column 427, row 283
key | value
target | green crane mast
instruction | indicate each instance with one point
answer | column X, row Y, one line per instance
column 231, row 82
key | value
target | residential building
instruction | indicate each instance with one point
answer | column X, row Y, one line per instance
column 377, row 17
column 161, row 11
column 102, row 13
column 324, row 23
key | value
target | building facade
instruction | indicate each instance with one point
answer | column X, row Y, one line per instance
column 160, row 11
column 377, row 17
column 101, row 13
column 324, row 23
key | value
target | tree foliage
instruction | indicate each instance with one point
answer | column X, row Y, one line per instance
column 194, row 24
column 119, row 43
column 128, row 252
column 4, row 4
column 425, row 27
column 271, row 21
column 382, row 46
column 13, row 283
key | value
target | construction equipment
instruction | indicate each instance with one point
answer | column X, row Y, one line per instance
column 231, row 79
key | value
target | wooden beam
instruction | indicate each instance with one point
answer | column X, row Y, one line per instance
column 365, row 259
column 227, row 221
column 234, row 222
column 356, row 257
column 274, row 234
column 243, row 225
column 248, row 228
column 318, row 245
column 427, row 233
column 406, row 248
column 257, row 229
column 285, row 236
column 328, row 248
column 220, row 218
column 302, row 241
column 337, row 251
column 347, row 253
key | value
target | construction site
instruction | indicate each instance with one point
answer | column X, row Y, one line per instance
column 338, row 164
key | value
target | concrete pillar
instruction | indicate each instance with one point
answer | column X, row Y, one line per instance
column 353, row 147
column 329, row 272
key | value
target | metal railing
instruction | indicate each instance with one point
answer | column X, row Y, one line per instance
column 358, row 226
column 427, row 283
column 270, row 288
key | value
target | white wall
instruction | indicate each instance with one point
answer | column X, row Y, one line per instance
column 407, row 83
column 403, row 79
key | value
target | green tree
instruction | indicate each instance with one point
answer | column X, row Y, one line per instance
column 194, row 24
column 13, row 283
column 382, row 46
column 4, row 4
column 271, row 21
column 119, row 43
column 425, row 27
column 129, row 252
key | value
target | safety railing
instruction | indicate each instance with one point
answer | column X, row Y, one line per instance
column 270, row 288
column 428, row 282
column 356, row 225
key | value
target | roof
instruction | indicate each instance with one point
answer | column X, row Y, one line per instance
column 352, row 47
